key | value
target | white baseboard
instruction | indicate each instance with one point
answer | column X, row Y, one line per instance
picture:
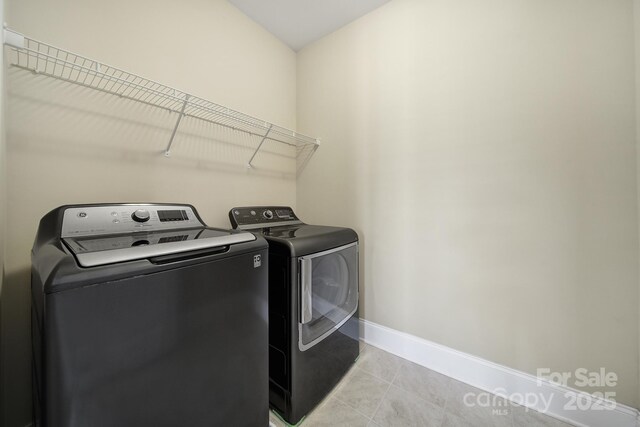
column 491, row 376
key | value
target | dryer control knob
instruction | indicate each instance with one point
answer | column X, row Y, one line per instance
column 141, row 215
column 268, row 214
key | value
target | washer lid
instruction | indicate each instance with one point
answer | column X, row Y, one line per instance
column 92, row 251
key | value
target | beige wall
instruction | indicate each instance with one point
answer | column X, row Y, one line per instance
column 3, row 177
column 636, row 16
column 485, row 152
column 3, row 204
column 67, row 144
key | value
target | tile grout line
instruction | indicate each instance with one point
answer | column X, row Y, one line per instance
column 375, row 376
column 424, row 399
column 512, row 417
column 357, row 368
column 335, row 391
column 420, row 397
column 446, row 402
column 403, row 360
column 382, row 351
column 443, row 409
column 343, row 383
column 380, row 403
column 352, row 407
column 448, row 388
column 385, row 394
column 511, row 422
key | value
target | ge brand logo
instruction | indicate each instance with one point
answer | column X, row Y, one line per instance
column 257, row 261
column 82, row 214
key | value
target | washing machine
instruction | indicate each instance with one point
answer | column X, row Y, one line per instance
column 313, row 305
column 144, row 316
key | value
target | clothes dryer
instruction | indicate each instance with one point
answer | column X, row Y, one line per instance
column 313, row 305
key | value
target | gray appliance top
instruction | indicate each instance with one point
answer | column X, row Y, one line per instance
column 257, row 217
column 280, row 226
column 107, row 234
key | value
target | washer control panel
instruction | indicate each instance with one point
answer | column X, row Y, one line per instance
column 126, row 218
column 262, row 216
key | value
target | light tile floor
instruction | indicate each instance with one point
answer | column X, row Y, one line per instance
column 383, row 390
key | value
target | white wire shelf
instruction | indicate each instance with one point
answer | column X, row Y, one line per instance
column 42, row 58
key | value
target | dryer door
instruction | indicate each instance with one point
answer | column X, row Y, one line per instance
column 328, row 293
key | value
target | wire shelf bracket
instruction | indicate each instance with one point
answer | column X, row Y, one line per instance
column 249, row 165
column 44, row 59
column 175, row 128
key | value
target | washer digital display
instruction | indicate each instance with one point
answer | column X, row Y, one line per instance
column 173, row 215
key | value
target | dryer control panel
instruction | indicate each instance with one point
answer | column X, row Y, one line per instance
column 126, row 218
column 253, row 217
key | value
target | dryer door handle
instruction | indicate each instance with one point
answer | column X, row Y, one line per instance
column 306, row 295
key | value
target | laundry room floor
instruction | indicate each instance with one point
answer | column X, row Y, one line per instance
column 383, row 390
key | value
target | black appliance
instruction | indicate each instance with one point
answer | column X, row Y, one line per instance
column 143, row 316
column 313, row 306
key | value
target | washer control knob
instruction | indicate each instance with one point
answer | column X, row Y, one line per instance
column 267, row 214
column 141, row 215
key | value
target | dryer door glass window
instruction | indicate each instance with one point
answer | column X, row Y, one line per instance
column 328, row 292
